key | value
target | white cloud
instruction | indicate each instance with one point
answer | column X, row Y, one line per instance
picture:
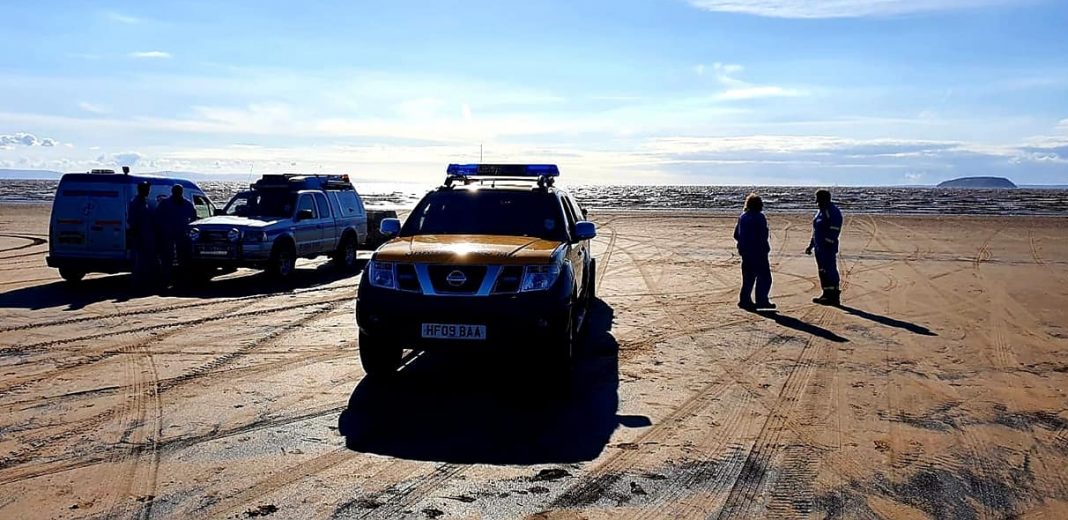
column 151, row 55
column 839, row 8
column 123, row 18
column 120, row 159
column 92, row 108
column 24, row 139
column 736, row 89
column 737, row 94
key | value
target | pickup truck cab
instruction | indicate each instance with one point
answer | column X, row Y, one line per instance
column 282, row 218
column 87, row 230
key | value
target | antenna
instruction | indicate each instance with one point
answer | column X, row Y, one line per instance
column 479, row 152
column 250, row 168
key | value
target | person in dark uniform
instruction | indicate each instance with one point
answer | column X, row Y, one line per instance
column 751, row 234
column 141, row 236
column 174, row 215
column 826, row 228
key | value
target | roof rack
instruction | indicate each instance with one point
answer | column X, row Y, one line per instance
column 285, row 180
column 544, row 174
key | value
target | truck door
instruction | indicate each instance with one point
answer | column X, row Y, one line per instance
column 330, row 234
column 203, row 207
column 577, row 250
column 307, row 232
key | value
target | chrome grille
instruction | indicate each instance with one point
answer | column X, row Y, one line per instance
column 451, row 279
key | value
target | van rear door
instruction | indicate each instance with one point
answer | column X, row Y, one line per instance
column 89, row 219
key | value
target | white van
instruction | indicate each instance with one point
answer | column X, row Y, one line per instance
column 87, row 232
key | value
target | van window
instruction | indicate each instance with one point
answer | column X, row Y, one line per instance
column 306, row 203
column 324, row 207
column 202, row 206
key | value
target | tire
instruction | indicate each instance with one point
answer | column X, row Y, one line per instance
column 591, row 282
column 562, row 352
column 379, row 358
column 345, row 256
column 283, row 262
column 71, row 275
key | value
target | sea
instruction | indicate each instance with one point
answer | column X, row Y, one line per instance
column 718, row 199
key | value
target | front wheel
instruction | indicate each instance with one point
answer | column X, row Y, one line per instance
column 561, row 352
column 591, row 282
column 283, row 262
column 71, row 275
column 378, row 357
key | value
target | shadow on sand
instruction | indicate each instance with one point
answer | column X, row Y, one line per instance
column 117, row 288
column 890, row 322
column 466, row 409
column 798, row 325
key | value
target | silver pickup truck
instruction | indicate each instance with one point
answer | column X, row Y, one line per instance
column 282, row 218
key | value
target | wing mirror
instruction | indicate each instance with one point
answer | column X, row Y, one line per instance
column 305, row 214
column 389, row 227
column 585, row 230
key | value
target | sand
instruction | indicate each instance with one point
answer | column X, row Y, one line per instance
column 938, row 390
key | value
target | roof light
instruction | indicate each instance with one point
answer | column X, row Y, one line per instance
column 503, row 170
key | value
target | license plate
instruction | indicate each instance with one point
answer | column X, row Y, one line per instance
column 448, row 331
column 214, row 251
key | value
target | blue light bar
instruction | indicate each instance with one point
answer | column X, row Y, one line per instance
column 504, row 170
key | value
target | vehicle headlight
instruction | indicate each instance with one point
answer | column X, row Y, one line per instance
column 194, row 234
column 234, row 235
column 255, row 236
column 539, row 277
column 382, row 274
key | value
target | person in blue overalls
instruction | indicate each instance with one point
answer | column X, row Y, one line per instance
column 141, row 237
column 826, row 228
column 751, row 234
column 174, row 215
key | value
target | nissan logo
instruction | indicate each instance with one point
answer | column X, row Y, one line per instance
column 456, row 278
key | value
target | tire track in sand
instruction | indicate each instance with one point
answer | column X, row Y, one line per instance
column 10, row 466
column 168, row 308
column 976, row 448
column 90, row 357
column 175, row 324
column 33, row 241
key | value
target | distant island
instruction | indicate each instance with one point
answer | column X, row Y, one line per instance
column 978, row 182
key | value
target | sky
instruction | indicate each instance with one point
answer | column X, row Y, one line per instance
column 784, row 92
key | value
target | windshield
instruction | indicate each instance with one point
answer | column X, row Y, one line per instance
column 262, row 203
column 488, row 212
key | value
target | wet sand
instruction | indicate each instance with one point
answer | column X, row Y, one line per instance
column 938, row 390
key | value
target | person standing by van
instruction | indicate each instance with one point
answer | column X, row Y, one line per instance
column 173, row 217
column 141, row 236
column 751, row 234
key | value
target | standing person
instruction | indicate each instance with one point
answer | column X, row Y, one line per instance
column 141, row 236
column 174, row 215
column 826, row 228
column 751, row 233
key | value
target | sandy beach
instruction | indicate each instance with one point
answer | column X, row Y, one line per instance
column 938, row 390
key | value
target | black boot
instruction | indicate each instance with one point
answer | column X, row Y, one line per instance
column 829, row 297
